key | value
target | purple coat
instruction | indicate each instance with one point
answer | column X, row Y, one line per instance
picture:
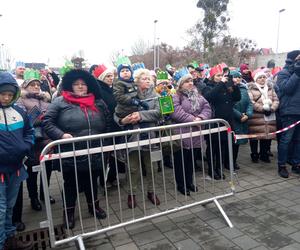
column 183, row 113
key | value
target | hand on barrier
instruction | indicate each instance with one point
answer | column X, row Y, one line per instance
column 66, row 136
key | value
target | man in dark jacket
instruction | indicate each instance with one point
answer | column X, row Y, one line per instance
column 16, row 140
column 288, row 82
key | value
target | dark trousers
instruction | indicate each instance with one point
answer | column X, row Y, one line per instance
column 213, row 153
column 84, row 182
column 32, row 181
column 17, row 212
column 235, row 152
column 263, row 146
column 183, row 168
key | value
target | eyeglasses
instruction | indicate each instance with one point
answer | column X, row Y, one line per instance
column 237, row 77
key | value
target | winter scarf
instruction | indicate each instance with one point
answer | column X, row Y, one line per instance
column 193, row 96
column 85, row 102
column 267, row 102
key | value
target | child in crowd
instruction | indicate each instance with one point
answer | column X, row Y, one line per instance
column 16, row 140
column 125, row 92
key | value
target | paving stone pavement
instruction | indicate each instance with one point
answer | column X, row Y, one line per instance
column 265, row 212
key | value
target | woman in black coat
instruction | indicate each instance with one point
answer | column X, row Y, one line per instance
column 222, row 95
column 78, row 112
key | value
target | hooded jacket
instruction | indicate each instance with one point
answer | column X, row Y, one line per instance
column 288, row 84
column 16, row 131
column 63, row 117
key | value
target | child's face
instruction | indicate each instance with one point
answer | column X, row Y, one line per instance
column 125, row 73
column 6, row 98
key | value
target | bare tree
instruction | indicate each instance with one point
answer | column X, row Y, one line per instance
column 140, row 47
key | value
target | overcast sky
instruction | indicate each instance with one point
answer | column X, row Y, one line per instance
column 48, row 31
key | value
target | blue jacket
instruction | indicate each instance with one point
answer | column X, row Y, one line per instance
column 16, row 131
column 243, row 106
column 288, row 92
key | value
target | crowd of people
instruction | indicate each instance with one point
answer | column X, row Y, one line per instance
column 37, row 107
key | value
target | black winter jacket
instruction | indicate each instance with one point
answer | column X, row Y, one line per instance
column 221, row 99
column 62, row 117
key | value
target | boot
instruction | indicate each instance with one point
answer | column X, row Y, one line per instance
column 254, row 157
column 296, row 169
column 214, row 175
column 265, row 158
column 153, row 198
column 131, row 202
column 282, row 171
column 99, row 212
column 71, row 218
column 35, row 204
column 13, row 243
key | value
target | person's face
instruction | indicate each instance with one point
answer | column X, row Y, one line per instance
column 237, row 79
column 6, row 98
column 20, row 72
column 218, row 77
column 125, row 73
column 34, row 87
column 261, row 80
column 188, row 84
column 144, row 82
column 194, row 74
column 109, row 79
column 79, row 87
column 245, row 71
column 268, row 72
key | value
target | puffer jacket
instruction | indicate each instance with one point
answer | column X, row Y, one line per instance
column 16, row 131
column 183, row 113
column 289, row 92
column 257, row 123
column 123, row 93
column 40, row 101
column 63, row 117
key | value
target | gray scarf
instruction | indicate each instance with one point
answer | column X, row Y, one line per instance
column 193, row 96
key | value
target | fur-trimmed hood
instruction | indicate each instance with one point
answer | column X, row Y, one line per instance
column 71, row 76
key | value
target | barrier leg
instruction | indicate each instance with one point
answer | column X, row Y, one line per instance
column 79, row 243
column 223, row 213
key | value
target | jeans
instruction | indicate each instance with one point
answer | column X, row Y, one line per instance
column 290, row 136
column 9, row 188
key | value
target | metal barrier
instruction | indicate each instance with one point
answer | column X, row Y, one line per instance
column 142, row 150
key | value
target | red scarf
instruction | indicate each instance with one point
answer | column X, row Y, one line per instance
column 85, row 102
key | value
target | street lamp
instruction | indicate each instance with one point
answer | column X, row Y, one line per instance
column 279, row 12
column 158, row 52
column 154, row 45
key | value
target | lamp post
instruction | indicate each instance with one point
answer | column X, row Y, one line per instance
column 157, row 52
column 278, row 28
column 154, row 45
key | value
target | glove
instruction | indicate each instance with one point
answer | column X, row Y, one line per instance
column 135, row 101
column 297, row 68
column 267, row 112
column 144, row 105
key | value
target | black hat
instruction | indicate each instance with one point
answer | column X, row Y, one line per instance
column 293, row 54
column 71, row 76
column 8, row 87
